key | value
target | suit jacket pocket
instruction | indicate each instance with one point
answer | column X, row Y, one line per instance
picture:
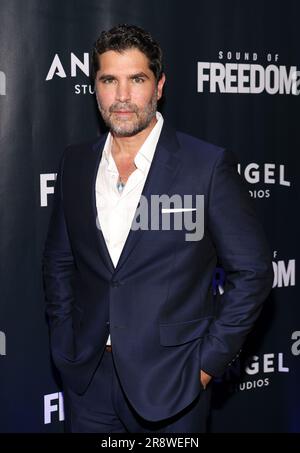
column 183, row 332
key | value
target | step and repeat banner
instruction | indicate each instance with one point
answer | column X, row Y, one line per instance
column 232, row 79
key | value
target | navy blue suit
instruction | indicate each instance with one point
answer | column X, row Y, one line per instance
column 157, row 304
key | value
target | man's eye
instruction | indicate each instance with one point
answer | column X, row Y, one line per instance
column 138, row 79
column 107, row 81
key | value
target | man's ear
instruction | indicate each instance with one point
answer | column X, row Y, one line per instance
column 160, row 86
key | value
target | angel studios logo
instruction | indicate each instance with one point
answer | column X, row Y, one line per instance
column 255, row 372
column 240, row 73
column 260, row 368
column 262, row 177
column 71, row 66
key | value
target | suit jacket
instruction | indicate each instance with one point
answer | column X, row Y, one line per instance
column 158, row 303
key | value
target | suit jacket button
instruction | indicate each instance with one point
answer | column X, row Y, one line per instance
column 115, row 283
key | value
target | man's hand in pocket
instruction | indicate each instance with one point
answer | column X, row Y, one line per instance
column 205, row 379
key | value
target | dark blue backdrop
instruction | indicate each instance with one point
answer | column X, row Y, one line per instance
column 213, row 91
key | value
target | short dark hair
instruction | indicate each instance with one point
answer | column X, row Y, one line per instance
column 123, row 37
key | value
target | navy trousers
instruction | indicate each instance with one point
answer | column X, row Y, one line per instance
column 104, row 408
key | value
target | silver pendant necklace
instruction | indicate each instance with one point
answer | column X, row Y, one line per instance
column 120, row 185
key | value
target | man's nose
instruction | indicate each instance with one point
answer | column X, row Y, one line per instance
column 123, row 92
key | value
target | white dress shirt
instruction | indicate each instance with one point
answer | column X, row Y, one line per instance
column 116, row 210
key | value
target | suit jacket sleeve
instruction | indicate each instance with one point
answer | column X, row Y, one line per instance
column 244, row 255
column 58, row 263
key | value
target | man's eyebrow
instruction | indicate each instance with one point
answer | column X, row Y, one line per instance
column 133, row 76
column 106, row 76
column 139, row 74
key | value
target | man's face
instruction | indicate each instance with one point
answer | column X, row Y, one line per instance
column 126, row 91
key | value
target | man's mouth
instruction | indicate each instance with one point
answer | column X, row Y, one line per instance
column 123, row 112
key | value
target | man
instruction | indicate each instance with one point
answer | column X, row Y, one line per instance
column 135, row 330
